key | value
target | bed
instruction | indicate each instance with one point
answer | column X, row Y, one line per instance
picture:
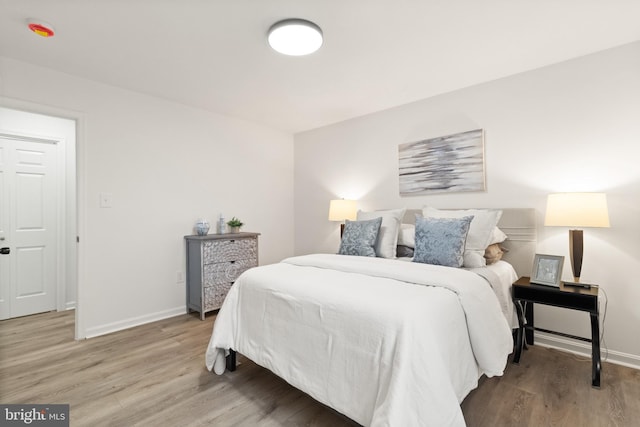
column 384, row 341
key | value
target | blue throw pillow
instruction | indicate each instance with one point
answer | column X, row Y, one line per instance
column 441, row 241
column 359, row 237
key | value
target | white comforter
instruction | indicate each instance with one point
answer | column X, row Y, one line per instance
column 386, row 343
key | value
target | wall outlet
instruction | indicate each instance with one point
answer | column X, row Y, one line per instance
column 180, row 276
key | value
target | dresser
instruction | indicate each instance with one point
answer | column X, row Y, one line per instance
column 214, row 262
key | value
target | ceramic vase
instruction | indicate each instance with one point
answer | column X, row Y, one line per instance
column 202, row 227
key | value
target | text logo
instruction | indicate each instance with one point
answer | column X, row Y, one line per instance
column 34, row 415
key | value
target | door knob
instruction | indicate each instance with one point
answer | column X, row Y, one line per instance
column 5, row 251
column 1, row 238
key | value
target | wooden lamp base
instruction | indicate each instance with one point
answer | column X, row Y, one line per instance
column 576, row 249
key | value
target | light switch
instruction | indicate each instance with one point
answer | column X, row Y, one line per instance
column 106, row 200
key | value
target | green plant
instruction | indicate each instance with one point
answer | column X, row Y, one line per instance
column 235, row 222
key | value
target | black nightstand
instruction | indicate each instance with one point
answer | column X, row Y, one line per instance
column 571, row 297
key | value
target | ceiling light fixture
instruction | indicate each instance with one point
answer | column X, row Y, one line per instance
column 40, row 28
column 295, row 37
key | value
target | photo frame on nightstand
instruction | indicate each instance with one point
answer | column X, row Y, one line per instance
column 547, row 270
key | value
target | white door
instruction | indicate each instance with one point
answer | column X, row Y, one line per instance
column 28, row 222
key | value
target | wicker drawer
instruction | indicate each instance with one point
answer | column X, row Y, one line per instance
column 214, row 296
column 224, row 272
column 229, row 250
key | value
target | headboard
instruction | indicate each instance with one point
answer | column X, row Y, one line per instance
column 519, row 224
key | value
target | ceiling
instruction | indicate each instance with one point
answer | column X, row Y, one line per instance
column 377, row 54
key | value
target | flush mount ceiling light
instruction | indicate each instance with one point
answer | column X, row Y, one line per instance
column 295, row 37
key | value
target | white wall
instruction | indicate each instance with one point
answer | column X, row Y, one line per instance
column 166, row 165
column 574, row 126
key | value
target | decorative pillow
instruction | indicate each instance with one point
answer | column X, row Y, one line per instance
column 359, row 237
column 480, row 232
column 493, row 253
column 497, row 236
column 441, row 241
column 388, row 235
column 407, row 235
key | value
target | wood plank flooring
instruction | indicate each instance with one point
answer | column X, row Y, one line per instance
column 154, row 375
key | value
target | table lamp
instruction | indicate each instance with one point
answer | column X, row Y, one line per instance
column 341, row 210
column 577, row 210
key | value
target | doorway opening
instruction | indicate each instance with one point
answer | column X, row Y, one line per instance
column 38, row 213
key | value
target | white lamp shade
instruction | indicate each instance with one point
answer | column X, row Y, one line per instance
column 295, row 37
column 577, row 210
column 341, row 209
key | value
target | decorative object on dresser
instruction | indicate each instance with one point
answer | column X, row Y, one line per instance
column 214, row 262
column 451, row 163
column 577, row 210
column 571, row 297
column 202, row 227
column 222, row 225
column 342, row 210
column 234, row 225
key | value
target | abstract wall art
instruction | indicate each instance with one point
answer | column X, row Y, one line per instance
column 452, row 163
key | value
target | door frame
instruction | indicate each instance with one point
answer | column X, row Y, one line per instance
column 72, row 255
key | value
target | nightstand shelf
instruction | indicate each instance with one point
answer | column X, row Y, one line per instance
column 574, row 298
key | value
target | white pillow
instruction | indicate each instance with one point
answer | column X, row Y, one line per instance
column 388, row 234
column 497, row 236
column 407, row 235
column 480, row 232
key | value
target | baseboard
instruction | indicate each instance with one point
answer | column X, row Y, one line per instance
column 133, row 321
column 584, row 349
column 70, row 305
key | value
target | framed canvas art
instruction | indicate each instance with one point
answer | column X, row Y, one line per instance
column 451, row 163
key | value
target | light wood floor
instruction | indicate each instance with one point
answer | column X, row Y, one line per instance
column 154, row 375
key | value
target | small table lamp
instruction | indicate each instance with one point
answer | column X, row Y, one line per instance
column 577, row 210
column 341, row 210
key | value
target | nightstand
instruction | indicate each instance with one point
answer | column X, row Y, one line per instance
column 574, row 298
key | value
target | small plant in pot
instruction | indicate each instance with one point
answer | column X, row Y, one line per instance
column 234, row 225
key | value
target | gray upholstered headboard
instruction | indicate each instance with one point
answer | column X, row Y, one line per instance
column 519, row 224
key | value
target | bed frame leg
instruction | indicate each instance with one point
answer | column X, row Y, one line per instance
column 231, row 360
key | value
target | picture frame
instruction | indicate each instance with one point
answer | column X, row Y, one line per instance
column 547, row 270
